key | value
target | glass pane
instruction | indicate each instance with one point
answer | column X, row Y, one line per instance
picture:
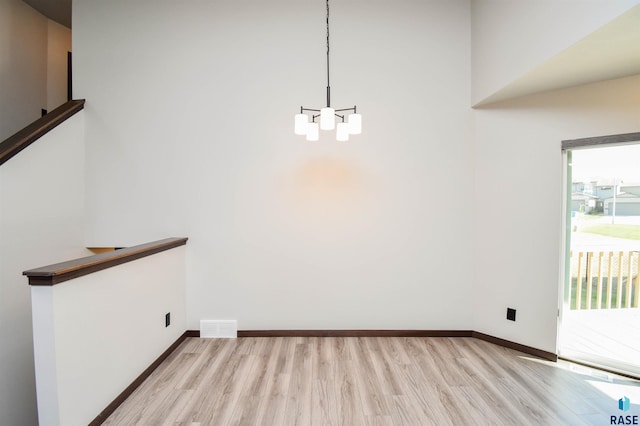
column 601, row 315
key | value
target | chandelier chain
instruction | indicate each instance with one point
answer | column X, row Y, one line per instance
column 327, row 27
column 328, row 83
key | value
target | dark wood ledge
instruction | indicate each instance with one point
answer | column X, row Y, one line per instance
column 25, row 137
column 60, row 272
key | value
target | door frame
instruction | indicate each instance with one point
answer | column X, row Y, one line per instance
column 565, row 243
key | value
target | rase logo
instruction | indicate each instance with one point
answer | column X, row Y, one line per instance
column 624, row 404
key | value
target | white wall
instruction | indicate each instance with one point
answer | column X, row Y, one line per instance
column 58, row 44
column 41, row 201
column 33, row 65
column 86, row 331
column 512, row 37
column 41, row 215
column 417, row 223
column 190, row 132
column 23, row 65
column 518, row 197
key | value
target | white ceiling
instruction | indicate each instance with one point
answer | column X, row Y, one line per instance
column 57, row 10
column 613, row 51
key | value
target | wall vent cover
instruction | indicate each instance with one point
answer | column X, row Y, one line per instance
column 220, row 329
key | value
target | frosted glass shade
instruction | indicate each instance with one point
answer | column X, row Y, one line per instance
column 300, row 124
column 327, row 118
column 313, row 132
column 342, row 132
column 355, row 124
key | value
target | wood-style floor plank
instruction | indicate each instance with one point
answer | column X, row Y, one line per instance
column 376, row 381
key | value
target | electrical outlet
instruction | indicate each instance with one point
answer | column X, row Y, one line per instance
column 511, row 314
column 167, row 319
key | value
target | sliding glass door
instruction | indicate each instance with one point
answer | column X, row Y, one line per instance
column 600, row 321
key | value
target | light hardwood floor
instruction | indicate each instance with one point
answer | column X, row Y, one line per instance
column 369, row 381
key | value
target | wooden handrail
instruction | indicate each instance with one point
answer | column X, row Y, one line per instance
column 25, row 137
column 64, row 271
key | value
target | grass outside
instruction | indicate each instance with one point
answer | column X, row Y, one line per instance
column 629, row 232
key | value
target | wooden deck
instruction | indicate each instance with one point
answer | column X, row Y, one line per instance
column 608, row 337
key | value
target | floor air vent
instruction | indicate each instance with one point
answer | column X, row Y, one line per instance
column 221, row 329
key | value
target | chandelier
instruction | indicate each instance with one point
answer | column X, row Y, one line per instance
column 305, row 122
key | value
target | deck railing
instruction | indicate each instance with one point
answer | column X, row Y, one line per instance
column 604, row 279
